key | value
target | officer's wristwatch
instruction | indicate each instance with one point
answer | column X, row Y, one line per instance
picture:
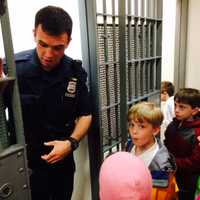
column 74, row 143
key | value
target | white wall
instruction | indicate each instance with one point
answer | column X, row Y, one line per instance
column 168, row 40
column 22, row 23
column 193, row 46
column 193, row 42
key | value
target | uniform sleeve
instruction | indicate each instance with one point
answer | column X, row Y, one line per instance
column 84, row 100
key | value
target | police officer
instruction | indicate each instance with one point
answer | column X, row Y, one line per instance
column 55, row 105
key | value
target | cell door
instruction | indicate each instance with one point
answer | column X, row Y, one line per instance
column 121, row 41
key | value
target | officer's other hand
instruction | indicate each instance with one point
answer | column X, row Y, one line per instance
column 60, row 150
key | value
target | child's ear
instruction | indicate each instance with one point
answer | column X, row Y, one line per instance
column 156, row 131
column 196, row 110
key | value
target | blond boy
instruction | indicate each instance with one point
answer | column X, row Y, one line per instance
column 144, row 121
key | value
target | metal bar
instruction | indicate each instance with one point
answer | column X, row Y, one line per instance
column 137, row 79
column 116, row 69
column 114, row 143
column 87, row 11
column 148, row 77
column 159, row 39
column 158, row 73
column 8, row 48
column 144, row 59
column 180, row 44
column 107, row 75
column 107, row 63
column 155, row 6
column 141, row 79
column 4, row 140
column 143, row 97
column 135, row 38
column 136, row 7
column 159, row 8
column 129, row 50
column 142, row 8
column 147, row 8
column 150, row 9
column 105, row 32
column 122, row 64
column 106, row 15
column 149, row 39
column 16, row 114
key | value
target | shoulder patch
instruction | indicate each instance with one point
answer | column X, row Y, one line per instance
column 80, row 72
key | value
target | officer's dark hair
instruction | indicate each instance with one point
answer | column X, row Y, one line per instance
column 189, row 96
column 54, row 20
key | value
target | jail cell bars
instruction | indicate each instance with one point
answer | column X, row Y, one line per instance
column 143, row 57
column 124, row 52
column 143, row 60
column 109, row 81
column 4, row 143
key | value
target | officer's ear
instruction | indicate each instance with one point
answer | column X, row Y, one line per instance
column 34, row 34
column 68, row 42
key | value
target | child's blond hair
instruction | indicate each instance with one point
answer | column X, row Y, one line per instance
column 146, row 111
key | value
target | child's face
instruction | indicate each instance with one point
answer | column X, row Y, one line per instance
column 164, row 96
column 142, row 133
column 184, row 111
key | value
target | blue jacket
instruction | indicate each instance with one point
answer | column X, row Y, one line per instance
column 162, row 165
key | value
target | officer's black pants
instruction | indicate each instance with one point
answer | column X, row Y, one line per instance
column 52, row 183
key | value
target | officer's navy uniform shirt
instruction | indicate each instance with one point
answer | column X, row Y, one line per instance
column 51, row 101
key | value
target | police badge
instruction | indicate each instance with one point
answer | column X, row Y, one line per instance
column 71, row 88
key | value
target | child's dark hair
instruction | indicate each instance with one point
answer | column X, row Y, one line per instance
column 189, row 96
column 54, row 20
column 167, row 86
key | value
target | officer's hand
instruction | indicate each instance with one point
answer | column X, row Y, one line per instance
column 60, row 150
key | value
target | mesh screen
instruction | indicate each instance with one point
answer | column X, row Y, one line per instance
column 4, row 142
column 142, row 65
column 108, row 57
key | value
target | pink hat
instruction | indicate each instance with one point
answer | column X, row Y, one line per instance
column 124, row 176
